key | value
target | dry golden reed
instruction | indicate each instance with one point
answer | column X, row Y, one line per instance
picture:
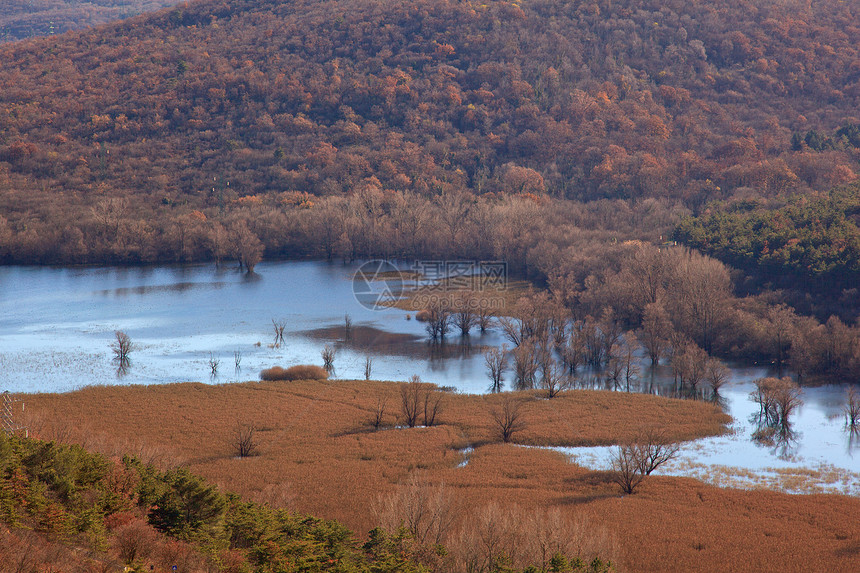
column 320, row 454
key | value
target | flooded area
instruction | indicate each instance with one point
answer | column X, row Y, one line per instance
column 57, row 324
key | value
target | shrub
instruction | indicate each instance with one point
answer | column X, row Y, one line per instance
column 422, row 315
column 298, row 372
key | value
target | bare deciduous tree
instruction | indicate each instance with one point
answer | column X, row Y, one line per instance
column 626, row 468
column 464, row 317
column 525, row 366
column 553, row 379
column 247, row 246
column 279, row 326
column 656, row 331
column 717, row 374
column 368, row 366
column 213, row 364
column 574, row 351
column 508, row 418
column 512, row 329
column 410, row 401
column 656, row 450
column 633, row 461
column 777, row 398
column 852, row 407
column 483, row 317
column 496, row 361
column 379, row 413
column 243, row 441
column 627, row 355
column 438, row 320
column 122, row 347
column 425, row 510
column 328, row 353
column 432, row 406
column 689, row 364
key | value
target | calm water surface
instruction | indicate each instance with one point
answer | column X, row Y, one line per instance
column 56, row 326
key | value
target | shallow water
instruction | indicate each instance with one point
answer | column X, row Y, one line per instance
column 56, row 326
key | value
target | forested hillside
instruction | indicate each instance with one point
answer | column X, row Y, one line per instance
column 808, row 238
column 213, row 104
column 21, row 19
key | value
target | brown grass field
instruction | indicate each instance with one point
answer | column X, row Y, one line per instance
column 318, row 454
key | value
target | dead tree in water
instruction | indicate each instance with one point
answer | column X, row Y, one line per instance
column 122, row 347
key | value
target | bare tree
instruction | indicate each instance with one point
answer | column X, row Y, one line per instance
column 508, row 418
column 410, row 400
column 464, row 317
column 483, row 317
column 213, row 364
column 438, row 320
column 717, row 374
column 237, row 359
column 432, row 406
column 777, row 398
column 700, row 292
column 279, row 326
column 379, row 413
column 512, row 329
column 347, row 326
column 525, row 366
column 328, row 353
column 368, row 366
column 122, row 347
column 553, row 379
column 655, row 450
column 852, row 407
column 656, row 331
column 633, row 461
column 626, row 467
column 426, row 511
column 247, row 246
column 243, row 441
column 593, row 343
column 787, row 401
column 496, row 361
column 614, row 370
column 780, row 324
column 574, row 351
column 627, row 355
column 689, row 363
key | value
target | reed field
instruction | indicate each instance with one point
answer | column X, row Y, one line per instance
column 319, row 452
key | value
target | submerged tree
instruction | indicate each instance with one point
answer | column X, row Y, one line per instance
column 122, row 347
column 852, row 408
column 496, row 361
column 777, row 398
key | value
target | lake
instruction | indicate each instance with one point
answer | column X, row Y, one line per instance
column 57, row 324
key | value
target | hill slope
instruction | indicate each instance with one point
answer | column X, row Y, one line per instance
column 584, row 100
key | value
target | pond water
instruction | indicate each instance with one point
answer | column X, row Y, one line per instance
column 57, row 324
